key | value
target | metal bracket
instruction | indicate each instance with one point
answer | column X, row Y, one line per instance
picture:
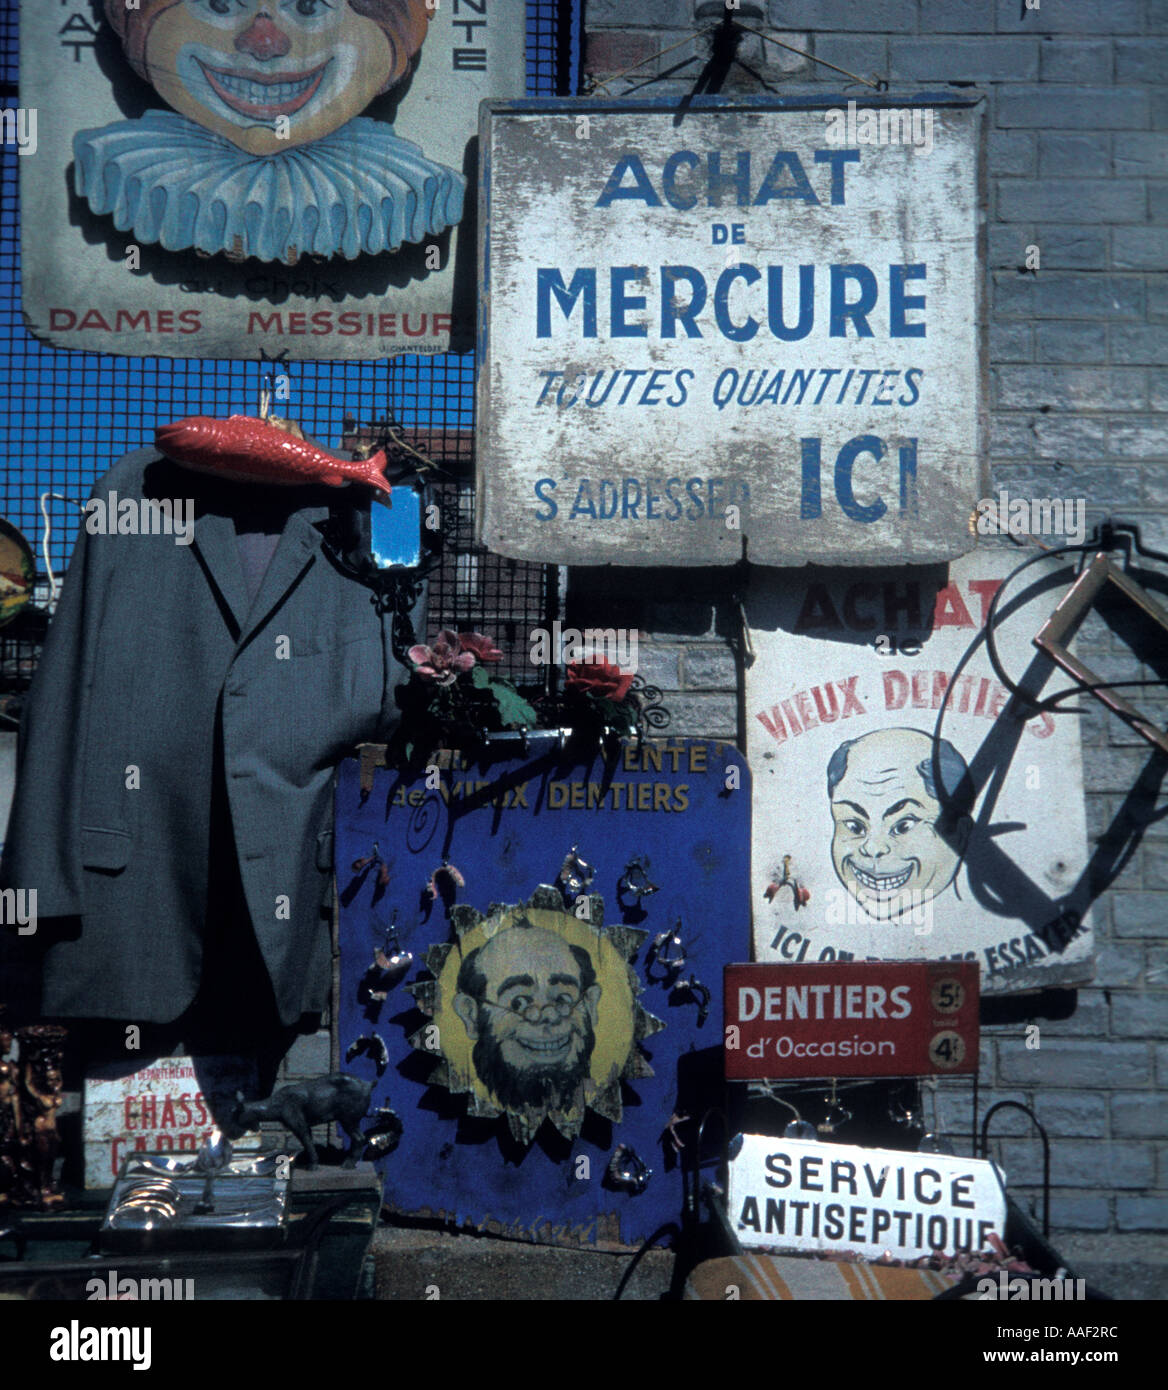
column 1057, row 629
column 1043, row 1136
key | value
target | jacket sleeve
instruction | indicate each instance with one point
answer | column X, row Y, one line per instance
column 42, row 850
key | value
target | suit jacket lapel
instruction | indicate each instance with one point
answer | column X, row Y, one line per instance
column 216, row 547
column 298, row 544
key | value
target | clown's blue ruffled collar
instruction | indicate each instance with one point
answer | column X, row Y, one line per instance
column 359, row 191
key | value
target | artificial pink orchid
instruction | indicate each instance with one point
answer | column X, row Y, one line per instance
column 444, row 662
column 483, row 648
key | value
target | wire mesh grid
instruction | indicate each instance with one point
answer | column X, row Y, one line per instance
column 66, row 416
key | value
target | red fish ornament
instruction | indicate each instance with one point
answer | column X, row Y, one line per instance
column 261, row 451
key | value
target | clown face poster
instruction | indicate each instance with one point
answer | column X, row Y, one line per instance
column 231, row 177
column 906, row 805
column 531, row 966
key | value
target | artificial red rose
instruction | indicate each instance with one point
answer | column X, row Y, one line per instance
column 442, row 663
column 601, row 679
column 482, row 648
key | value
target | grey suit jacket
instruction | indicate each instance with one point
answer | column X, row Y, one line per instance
column 155, row 659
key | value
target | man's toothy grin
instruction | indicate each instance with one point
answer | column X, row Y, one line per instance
column 880, row 883
column 264, row 95
column 545, row 1046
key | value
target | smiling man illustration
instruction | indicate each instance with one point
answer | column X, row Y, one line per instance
column 264, row 151
column 529, row 1003
column 895, row 845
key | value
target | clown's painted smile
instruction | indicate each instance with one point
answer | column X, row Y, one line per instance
column 266, row 75
column 263, row 95
column 252, row 99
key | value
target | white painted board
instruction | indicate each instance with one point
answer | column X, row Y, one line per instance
column 978, row 853
column 159, row 1108
column 738, row 331
column 793, row 1194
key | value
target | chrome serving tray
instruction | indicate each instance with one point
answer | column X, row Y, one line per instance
column 162, row 1196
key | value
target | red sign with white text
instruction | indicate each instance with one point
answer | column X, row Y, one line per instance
column 851, row 1018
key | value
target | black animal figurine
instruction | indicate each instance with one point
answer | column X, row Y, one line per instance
column 307, row 1103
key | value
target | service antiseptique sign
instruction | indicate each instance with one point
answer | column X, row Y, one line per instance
column 755, row 325
column 792, row 1194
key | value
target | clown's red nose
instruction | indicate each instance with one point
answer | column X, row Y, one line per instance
column 262, row 39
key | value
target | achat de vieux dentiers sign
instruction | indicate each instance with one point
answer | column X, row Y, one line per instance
column 736, row 328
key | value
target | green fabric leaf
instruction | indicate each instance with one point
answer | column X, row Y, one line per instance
column 514, row 711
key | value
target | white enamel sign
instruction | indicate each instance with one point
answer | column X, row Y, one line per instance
column 791, row 1194
column 755, row 326
column 904, row 807
column 160, row 1108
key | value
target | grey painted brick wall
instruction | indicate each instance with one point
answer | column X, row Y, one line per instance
column 1077, row 155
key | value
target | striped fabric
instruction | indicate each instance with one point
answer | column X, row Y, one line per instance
column 764, row 1278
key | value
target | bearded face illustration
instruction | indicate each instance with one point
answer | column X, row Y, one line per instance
column 533, row 1015
column 529, row 1003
